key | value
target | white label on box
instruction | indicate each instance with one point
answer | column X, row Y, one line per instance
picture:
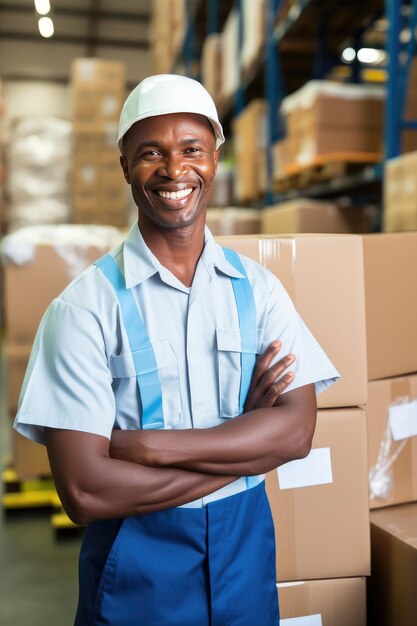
column 403, row 420
column 315, row 469
column 307, row 620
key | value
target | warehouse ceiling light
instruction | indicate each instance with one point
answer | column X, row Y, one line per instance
column 348, row 55
column 372, row 56
column 42, row 7
column 46, row 27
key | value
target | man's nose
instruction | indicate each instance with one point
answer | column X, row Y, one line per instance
column 173, row 166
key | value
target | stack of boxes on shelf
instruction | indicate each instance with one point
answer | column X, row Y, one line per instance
column 235, row 64
column 99, row 188
column 391, row 309
column 320, row 504
column 167, row 32
column 2, row 165
column 250, row 143
column 400, row 193
column 233, row 221
column 38, row 263
column 325, row 118
column 303, row 215
column 211, row 61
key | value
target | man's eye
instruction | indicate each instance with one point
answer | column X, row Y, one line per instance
column 192, row 150
column 150, row 154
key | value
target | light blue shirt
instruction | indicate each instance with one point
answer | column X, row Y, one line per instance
column 81, row 374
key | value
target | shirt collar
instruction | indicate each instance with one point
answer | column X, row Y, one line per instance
column 140, row 263
column 213, row 257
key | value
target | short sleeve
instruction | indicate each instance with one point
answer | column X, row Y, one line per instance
column 68, row 383
column 283, row 322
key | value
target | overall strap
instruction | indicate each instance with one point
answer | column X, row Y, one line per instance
column 142, row 351
column 246, row 311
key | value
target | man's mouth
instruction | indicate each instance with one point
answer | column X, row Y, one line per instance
column 175, row 195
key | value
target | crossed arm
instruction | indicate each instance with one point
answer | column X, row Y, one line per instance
column 140, row 472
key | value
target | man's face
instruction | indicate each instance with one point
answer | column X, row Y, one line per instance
column 170, row 161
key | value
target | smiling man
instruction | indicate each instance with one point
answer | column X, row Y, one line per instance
column 155, row 383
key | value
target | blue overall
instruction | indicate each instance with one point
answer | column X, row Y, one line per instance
column 208, row 566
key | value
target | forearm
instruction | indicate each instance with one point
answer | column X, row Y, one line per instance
column 93, row 486
column 252, row 443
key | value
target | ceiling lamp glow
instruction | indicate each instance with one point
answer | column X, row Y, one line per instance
column 46, row 27
column 42, row 7
column 348, row 55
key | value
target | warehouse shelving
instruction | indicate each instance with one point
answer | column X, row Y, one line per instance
column 303, row 40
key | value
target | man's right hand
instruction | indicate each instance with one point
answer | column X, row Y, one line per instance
column 268, row 381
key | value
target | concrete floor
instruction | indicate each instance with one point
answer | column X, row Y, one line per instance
column 38, row 572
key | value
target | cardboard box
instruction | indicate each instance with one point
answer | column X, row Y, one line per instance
column 322, row 524
column 90, row 73
column 392, row 594
column 17, row 357
column 400, row 193
column 105, row 214
column 232, row 221
column 403, row 472
column 249, row 132
column 323, row 275
column 324, row 104
column 31, row 286
column 96, row 140
column 319, row 142
column 280, row 157
column 89, row 104
column 391, row 303
column 229, row 68
column 303, row 215
column 30, row 460
column 253, row 36
column 210, row 63
column 336, row 602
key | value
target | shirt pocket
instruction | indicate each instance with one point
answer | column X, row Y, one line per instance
column 123, row 366
column 229, row 351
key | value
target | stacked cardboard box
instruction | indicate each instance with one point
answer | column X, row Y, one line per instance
column 392, row 586
column 99, row 188
column 303, row 215
column 233, row 221
column 211, row 60
column 249, row 139
column 2, row 167
column 327, row 118
column 320, row 504
column 253, row 36
column 230, row 66
column 167, row 32
column 38, row 263
column 391, row 313
column 400, row 193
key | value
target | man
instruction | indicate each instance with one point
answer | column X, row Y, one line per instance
column 138, row 368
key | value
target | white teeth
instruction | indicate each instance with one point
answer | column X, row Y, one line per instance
column 175, row 195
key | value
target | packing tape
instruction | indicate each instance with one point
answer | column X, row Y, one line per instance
column 274, row 253
column 382, row 474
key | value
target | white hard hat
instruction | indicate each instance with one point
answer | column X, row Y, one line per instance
column 164, row 94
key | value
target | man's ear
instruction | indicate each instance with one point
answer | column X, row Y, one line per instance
column 125, row 168
column 216, row 158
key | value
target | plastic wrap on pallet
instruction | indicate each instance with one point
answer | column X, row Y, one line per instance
column 40, row 160
column 69, row 240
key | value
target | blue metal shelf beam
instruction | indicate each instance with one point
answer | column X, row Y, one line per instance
column 398, row 74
